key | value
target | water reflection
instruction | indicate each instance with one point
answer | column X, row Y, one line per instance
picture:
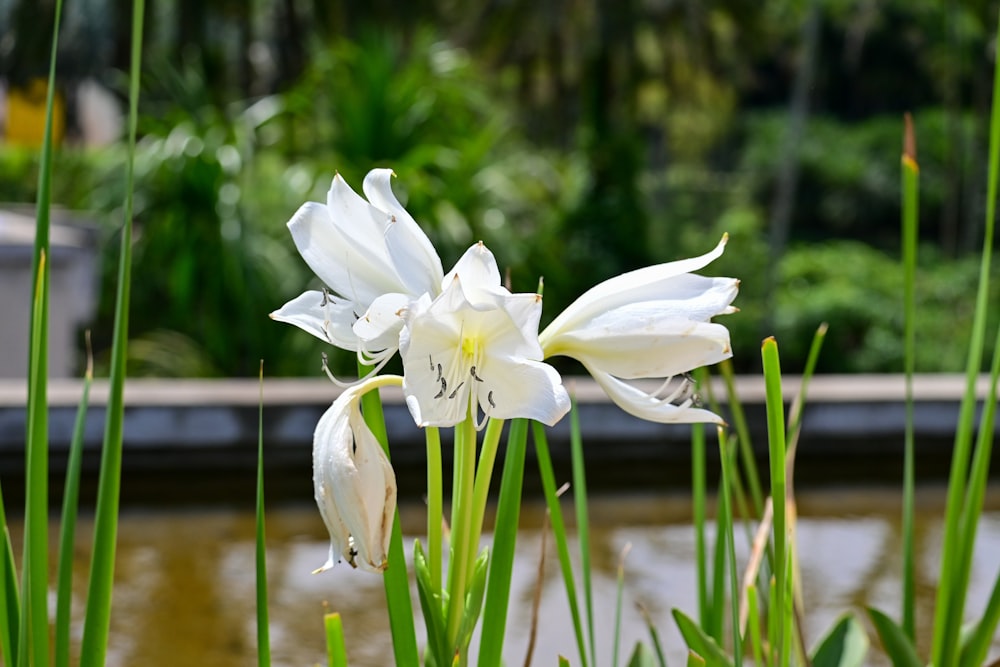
column 185, row 579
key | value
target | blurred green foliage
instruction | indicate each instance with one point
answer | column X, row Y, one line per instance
column 575, row 144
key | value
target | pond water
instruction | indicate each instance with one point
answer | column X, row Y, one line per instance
column 185, row 578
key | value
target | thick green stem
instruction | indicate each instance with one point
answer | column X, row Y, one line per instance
column 461, row 517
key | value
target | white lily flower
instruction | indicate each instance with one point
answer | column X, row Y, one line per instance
column 475, row 347
column 374, row 259
column 649, row 323
column 354, row 483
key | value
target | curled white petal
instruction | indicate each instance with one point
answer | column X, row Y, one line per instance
column 323, row 315
column 417, row 263
column 354, row 484
column 648, row 406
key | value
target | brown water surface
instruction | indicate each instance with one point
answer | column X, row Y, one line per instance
column 185, row 579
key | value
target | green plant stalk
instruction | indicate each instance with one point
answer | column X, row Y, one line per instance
column 336, row 649
column 260, row 561
column 911, row 184
column 582, row 523
column 559, row 531
column 698, row 484
column 504, row 540
column 726, row 528
column 978, row 645
column 718, row 616
column 753, row 626
column 743, row 431
column 94, row 644
column 619, row 599
column 461, row 517
column 435, row 500
column 976, row 487
column 481, row 486
column 950, row 601
column 34, row 622
column 67, row 529
column 10, row 600
column 776, row 447
column 394, row 579
column 34, row 630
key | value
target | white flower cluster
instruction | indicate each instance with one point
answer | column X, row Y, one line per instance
column 470, row 347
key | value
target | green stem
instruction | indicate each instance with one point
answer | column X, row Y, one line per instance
column 481, row 489
column 776, row 446
column 435, row 515
column 461, row 518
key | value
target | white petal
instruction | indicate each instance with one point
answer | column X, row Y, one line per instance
column 354, row 483
column 662, row 281
column 415, row 259
column 379, row 327
column 631, row 343
column 514, row 387
column 477, row 268
column 343, row 243
column 323, row 315
column 644, row 406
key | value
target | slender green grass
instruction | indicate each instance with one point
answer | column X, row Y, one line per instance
column 582, row 524
column 776, row 444
column 10, row 599
column 910, row 188
column 498, row 579
column 559, row 531
column 619, row 598
column 95, row 629
column 260, row 561
column 957, row 547
column 725, row 527
column 336, row 649
column 67, row 529
column 33, row 644
column 395, row 579
column 699, row 516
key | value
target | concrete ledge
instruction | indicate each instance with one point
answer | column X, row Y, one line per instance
column 195, row 440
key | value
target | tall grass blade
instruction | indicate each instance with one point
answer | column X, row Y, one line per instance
column 34, row 629
column 698, row 514
column 957, row 546
column 95, row 628
column 34, row 620
column 725, row 527
column 911, row 184
column 582, row 523
column 559, row 531
column 336, row 649
column 260, row 561
column 619, row 597
column 10, row 598
column 776, row 448
column 980, row 639
column 743, row 431
column 501, row 570
column 67, row 530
